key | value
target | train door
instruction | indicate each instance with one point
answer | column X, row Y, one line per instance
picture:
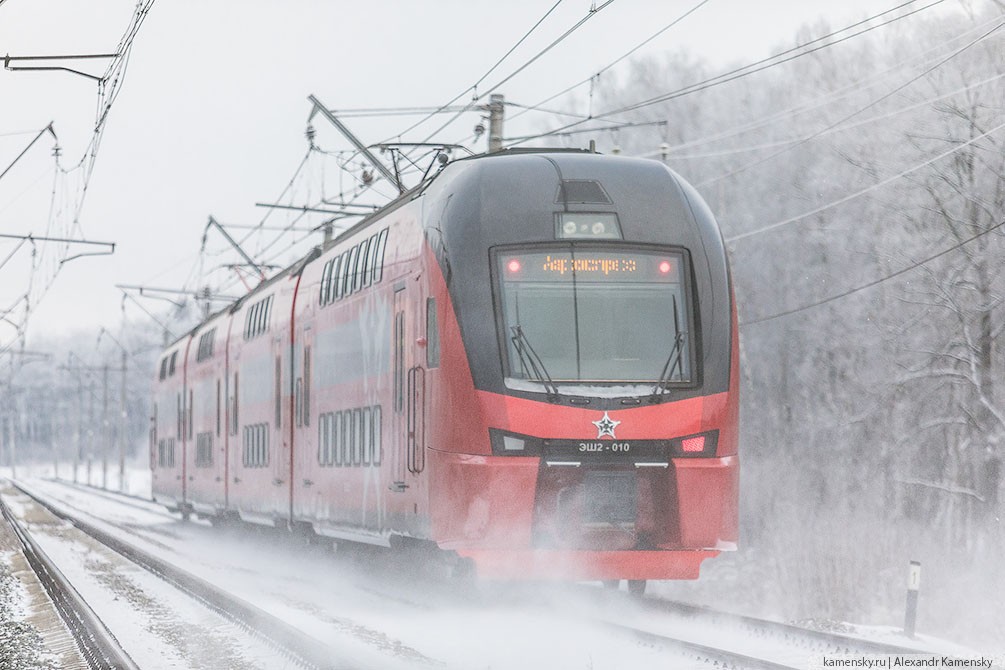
column 305, row 457
column 401, row 361
column 408, row 412
column 279, row 458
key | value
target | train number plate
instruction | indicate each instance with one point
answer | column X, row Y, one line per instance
column 607, row 451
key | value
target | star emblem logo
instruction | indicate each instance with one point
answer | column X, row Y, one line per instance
column 605, row 426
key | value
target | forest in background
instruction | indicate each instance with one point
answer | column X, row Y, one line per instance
column 871, row 424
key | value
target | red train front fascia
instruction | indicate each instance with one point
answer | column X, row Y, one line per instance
column 376, row 404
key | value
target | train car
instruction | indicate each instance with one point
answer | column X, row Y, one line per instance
column 529, row 362
column 205, row 418
column 167, row 436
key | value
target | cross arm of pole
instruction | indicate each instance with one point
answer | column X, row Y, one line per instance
column 47, row 129
column 147, row 312
column 213, row 222
column 360, row 147
column 303, row 208
column 143, row 290
column 8, row 58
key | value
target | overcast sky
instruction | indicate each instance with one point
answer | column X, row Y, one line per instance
column 212, row 114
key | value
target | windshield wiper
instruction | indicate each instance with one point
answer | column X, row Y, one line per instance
column 530, row 359
column 674, row 360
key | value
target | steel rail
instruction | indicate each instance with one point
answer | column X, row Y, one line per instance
column 820, row 641
column 97, row 645
column 299, row 647
column 718, row 657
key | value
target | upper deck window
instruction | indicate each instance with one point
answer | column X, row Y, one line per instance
column 256, row 319
column 585, row 314
column 205, row 349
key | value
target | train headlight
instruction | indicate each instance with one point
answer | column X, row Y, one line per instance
column 511, row 443
column 587, row 226
column 506, row 443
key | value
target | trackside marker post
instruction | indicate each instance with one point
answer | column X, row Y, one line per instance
column 913, row 584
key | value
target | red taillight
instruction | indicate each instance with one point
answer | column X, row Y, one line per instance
column 514, row 265
column 665, row 267
column 693, row 444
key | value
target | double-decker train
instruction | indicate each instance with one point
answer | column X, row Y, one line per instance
column 529, row 361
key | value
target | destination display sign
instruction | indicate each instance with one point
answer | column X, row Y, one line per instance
column 591, row 266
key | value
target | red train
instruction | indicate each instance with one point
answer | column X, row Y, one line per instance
column 528, row 361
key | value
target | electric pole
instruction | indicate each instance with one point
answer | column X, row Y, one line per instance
column 122, row 428
column 104, row 427
column 79, row 428
column 496, row 108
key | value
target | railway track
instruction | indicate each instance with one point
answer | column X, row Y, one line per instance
column 814, row 641
column 649, row 622
column 98, row 647
column 298, row 647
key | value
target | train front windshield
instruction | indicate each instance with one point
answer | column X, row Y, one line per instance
column 587, row 315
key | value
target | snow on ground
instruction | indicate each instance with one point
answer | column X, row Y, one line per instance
column 362, row 602
column 21, row 644
column 158, row 626
column 399, row 608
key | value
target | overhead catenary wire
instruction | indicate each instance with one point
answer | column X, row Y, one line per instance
column 848, row 117
column 797, row 51
column 474, row 86
column 608, row 66
column 872, row 283
column 830, row 131
column 831, row 96
column 594, row 11
column 864, row 191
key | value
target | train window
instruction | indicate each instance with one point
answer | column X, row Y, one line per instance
column 376, row 435
column 307, row 386
column 323, row 286
column 357, row 436
column 268, row 313
column 174, row 359
column 399, row 361
column 378, row 267
column 551, row 299
column 336, row 431
column 178, row 417
column 233, row 412
column 323, row 439
column 205, row 349
column 298, row 402
column 164, row 368
column 366, row 434
column 170, row 453
column 432, row 335
column 371, row 260
column 218, row 408
column 333, row 284
column 364, row 263
column 347, row 271
column 343, row 263
column 191, row 412
column 249, row 328
column 357, row 268
column 277, row 390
